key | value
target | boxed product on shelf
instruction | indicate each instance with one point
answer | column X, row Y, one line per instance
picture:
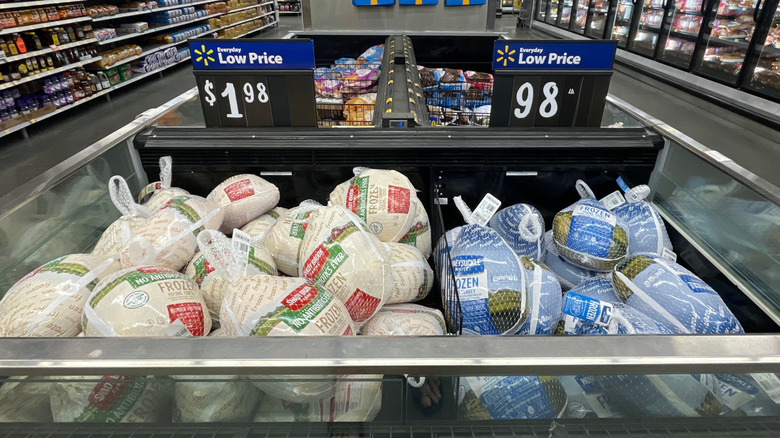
column 102, row 34
column 119, row 54
column 125, row 72
column 138, row 6
column 137, row 27
column 98, row 11
column 164, row 20
column 183, row 35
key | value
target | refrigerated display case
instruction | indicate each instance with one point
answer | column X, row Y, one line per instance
column 580, row 20
column 721, row 220
column 552, row 11
column 567, row 12
column 541, row 9
column 597, row 18
column 645, row 38
column 680, row 32
column 623, row 22
column 763, row 73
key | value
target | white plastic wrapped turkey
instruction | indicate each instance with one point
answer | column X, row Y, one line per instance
column 244, row 198
column 419, row 234
column 405, row 320
column 522, row 226
column 412, row 276
column 285, row 237
column 48, row 301
column 133, row 217
column 383, row 199
column 214, row 399
column 161, row 191
column 259, row 228
column 339, row 254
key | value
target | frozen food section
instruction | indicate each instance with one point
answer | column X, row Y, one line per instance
column 721, row 221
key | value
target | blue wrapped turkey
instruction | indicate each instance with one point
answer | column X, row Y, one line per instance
column 522, row 226
column 568, row 275
column 489, row 281
column 544, row 299
column 510, row 398
column 644, row 226
column 673, row 296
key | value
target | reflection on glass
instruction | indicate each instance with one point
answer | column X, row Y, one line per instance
column 649, row 26
column 566, row 7
column 541, row 10
column 766, row 77
column 598, row 20
column 581, row 17
column 552, row 15
column 686, row 20
column 622, row 24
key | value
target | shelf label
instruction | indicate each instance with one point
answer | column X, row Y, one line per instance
column 373, row 2
column 418, row 2
column 252, row 55
column 553, row 55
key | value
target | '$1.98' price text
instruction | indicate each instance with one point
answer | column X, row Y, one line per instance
column 230, row 93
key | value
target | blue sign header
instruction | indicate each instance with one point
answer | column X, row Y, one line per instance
column 553, row 55
column 252, row 55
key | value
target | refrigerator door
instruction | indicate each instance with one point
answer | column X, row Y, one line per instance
column 764, row 78
column 552, row 12
column 580, row 16
column 566, row 7
column 681, row 31
column 651, row 17
column 621, row 25
column 541, row 10
column 726, row 40
column 597, row 22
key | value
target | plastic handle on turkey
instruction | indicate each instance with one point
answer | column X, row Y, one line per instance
column 756, row 12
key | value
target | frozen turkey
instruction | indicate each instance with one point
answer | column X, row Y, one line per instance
column 133, row 217
column 168, row 238
column 229, row 399
column 213, row 286
column 522, row 226
column 490, row 282
column 661, row 396
column 244, row 198
column 258, row 229
column 568, row 275
column 383, row 199
column 286, row 236
column 111, row 399
column 146, row 301
column 672, row 295
column 25, row 400
column 48, row 301
column 544, row 299
column 285, row 306
column 355, row 398
column 340, row 255
column 161, row 191
column 405, row 320
column 588, row 235
column 412, row 275
column 644, row 226
column 419, row 234
column 510, row 398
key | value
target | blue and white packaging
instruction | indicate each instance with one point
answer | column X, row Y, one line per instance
column 624, row 320
column 489, row 281
column 673, row 296
column 598, row 287
column 522, row 226
column 569, row 275
column 644, row 226
column 544, row 299
column 511, row 398
column 586, row 398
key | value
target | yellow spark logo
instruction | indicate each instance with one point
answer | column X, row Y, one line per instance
column 506, row 55
column 203, row 55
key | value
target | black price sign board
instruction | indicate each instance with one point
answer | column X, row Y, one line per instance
column 255, row 83
column 551, row 83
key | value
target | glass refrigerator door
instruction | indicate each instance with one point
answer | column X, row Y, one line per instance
column 682, row 31
column 622, row 25
column 765, row 79
column 581, row 16
column 646, row 38
column 598, row 18
column 566, row 13
column 728, row 40
column 552, row 12
column 541, row 10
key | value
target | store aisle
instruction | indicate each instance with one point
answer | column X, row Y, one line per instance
column 61, row 137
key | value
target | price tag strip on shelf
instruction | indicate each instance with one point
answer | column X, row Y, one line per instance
column 255, row 83
column 551, row 83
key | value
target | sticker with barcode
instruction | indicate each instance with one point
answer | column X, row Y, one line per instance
column 613, row 200
column 717, row 156
column 770, row 383
column 668, row 254
column 177, row 329
column 149, row 189
column 587, row 308
column 241, row 244
column 485, row 210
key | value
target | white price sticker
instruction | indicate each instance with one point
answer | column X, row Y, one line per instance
column 241, row 244
column 668, row 254
column 485, row 210
column 177, row 329
column 613, row 200
column 770, row 383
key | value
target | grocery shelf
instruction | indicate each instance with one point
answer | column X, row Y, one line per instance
column 152, row 30
column 36, row 3
column 257, row 30
column 289, row 12
column 146, row 75
column 149, row 11
column 240, row 22
column 266, row 3
column 47, row 50
column 16, row 29
column 242, row 9
column 143, row 54
column 685, row 33
column 23, row 125
column 649, row 27
column 49, row 73
column 689, row 12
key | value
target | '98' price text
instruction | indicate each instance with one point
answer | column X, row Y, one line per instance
column 525, row 99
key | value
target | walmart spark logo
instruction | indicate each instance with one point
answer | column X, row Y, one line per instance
column 506, row 55
column 203, row 55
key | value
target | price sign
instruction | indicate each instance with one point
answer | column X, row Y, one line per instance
column 551, row 83
column 255, row 83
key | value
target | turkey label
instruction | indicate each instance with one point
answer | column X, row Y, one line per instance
column 471, row 281
column 512, row 397
column 591, row 230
